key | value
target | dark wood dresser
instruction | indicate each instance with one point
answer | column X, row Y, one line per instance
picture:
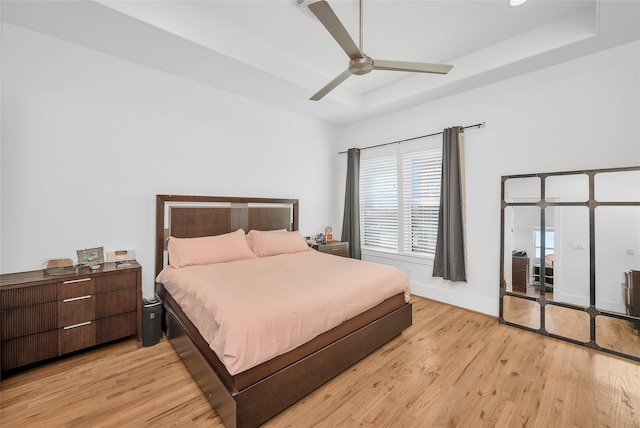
column 520, row 273
column 632, row 297
column 45, row 316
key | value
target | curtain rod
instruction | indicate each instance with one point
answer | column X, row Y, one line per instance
column 477, row 125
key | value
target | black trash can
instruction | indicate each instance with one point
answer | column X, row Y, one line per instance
column 151, row 321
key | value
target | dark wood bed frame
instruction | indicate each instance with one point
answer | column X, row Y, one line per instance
column 254, row 396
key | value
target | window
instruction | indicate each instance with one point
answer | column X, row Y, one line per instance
column 379, row 203
column 549, row 244
column 400, row 198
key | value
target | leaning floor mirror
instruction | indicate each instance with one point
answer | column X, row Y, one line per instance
column 570, row 257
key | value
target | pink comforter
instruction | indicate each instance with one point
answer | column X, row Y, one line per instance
column 252, row 310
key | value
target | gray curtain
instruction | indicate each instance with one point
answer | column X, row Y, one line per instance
column 351, row 218
column 450, row 258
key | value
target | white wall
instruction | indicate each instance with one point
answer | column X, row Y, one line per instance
column 578, row 115
column 88, row 140
column 617, row 251
column 571, row 274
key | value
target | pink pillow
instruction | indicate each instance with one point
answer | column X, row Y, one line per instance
column 208, row 249
column 271, row 243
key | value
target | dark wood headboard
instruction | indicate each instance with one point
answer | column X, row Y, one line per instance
column 193, row 216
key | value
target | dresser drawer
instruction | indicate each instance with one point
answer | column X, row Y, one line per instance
column 28, row 320
column 74, row 310
column 27, row 296
column 76, row 288
column 335, row 248
column 519, row 279
column 115, row 327
column 519, row 263
column 29, row 349
column 116, row 302
column 116, row 282
column 76, row 337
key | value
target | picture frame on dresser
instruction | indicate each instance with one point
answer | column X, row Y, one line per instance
column 91, row 256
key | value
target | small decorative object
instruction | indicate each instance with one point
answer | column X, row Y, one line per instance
column 328, row 231
column 91, row 257
column 122, row 258
column 321, row 239
column 59, row 267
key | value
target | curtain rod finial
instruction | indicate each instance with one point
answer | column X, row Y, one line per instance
column 481, row 125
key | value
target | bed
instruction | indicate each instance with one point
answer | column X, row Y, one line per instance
column 246, row 394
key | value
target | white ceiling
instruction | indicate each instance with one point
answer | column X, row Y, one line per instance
column 277, row 52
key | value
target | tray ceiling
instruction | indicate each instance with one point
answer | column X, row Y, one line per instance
column 277, row 52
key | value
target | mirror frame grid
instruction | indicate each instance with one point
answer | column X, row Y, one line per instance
column 541, row 299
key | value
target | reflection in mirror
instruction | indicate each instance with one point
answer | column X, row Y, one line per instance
column 567, row 188
column 520, row 225
column 580, row 245
column 525, row 189
column 619, row 186
column 615, row 334
column 567, row 322
column 544, row 254
column 521, row 311
column 617, row 232
column 570, row 261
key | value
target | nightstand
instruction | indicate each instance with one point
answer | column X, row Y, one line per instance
column 337, row 248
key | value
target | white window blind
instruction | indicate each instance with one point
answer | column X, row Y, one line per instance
column 379, row 202
column 400, row 199
column 421, row 174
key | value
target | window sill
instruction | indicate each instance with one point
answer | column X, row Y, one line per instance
column 399, row 257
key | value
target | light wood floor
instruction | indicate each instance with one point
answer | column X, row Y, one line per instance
column 611, row 333
column 452, row 368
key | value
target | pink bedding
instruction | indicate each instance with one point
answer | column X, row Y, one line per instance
column 252, row 310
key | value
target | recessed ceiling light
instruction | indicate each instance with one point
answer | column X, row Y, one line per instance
column 517, row 2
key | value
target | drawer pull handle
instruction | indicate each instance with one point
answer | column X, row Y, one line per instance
column 73, row 299
column 76, row 280
column 77, row 325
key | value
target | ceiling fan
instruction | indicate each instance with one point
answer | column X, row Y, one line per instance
column 360, row 63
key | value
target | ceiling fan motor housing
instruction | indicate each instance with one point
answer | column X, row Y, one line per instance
column 361, row 65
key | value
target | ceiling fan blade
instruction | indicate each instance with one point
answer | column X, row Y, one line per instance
column 331, row 85
column 420, row 67
column 328, row 18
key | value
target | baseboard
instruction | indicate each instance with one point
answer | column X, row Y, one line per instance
column 447, row 294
